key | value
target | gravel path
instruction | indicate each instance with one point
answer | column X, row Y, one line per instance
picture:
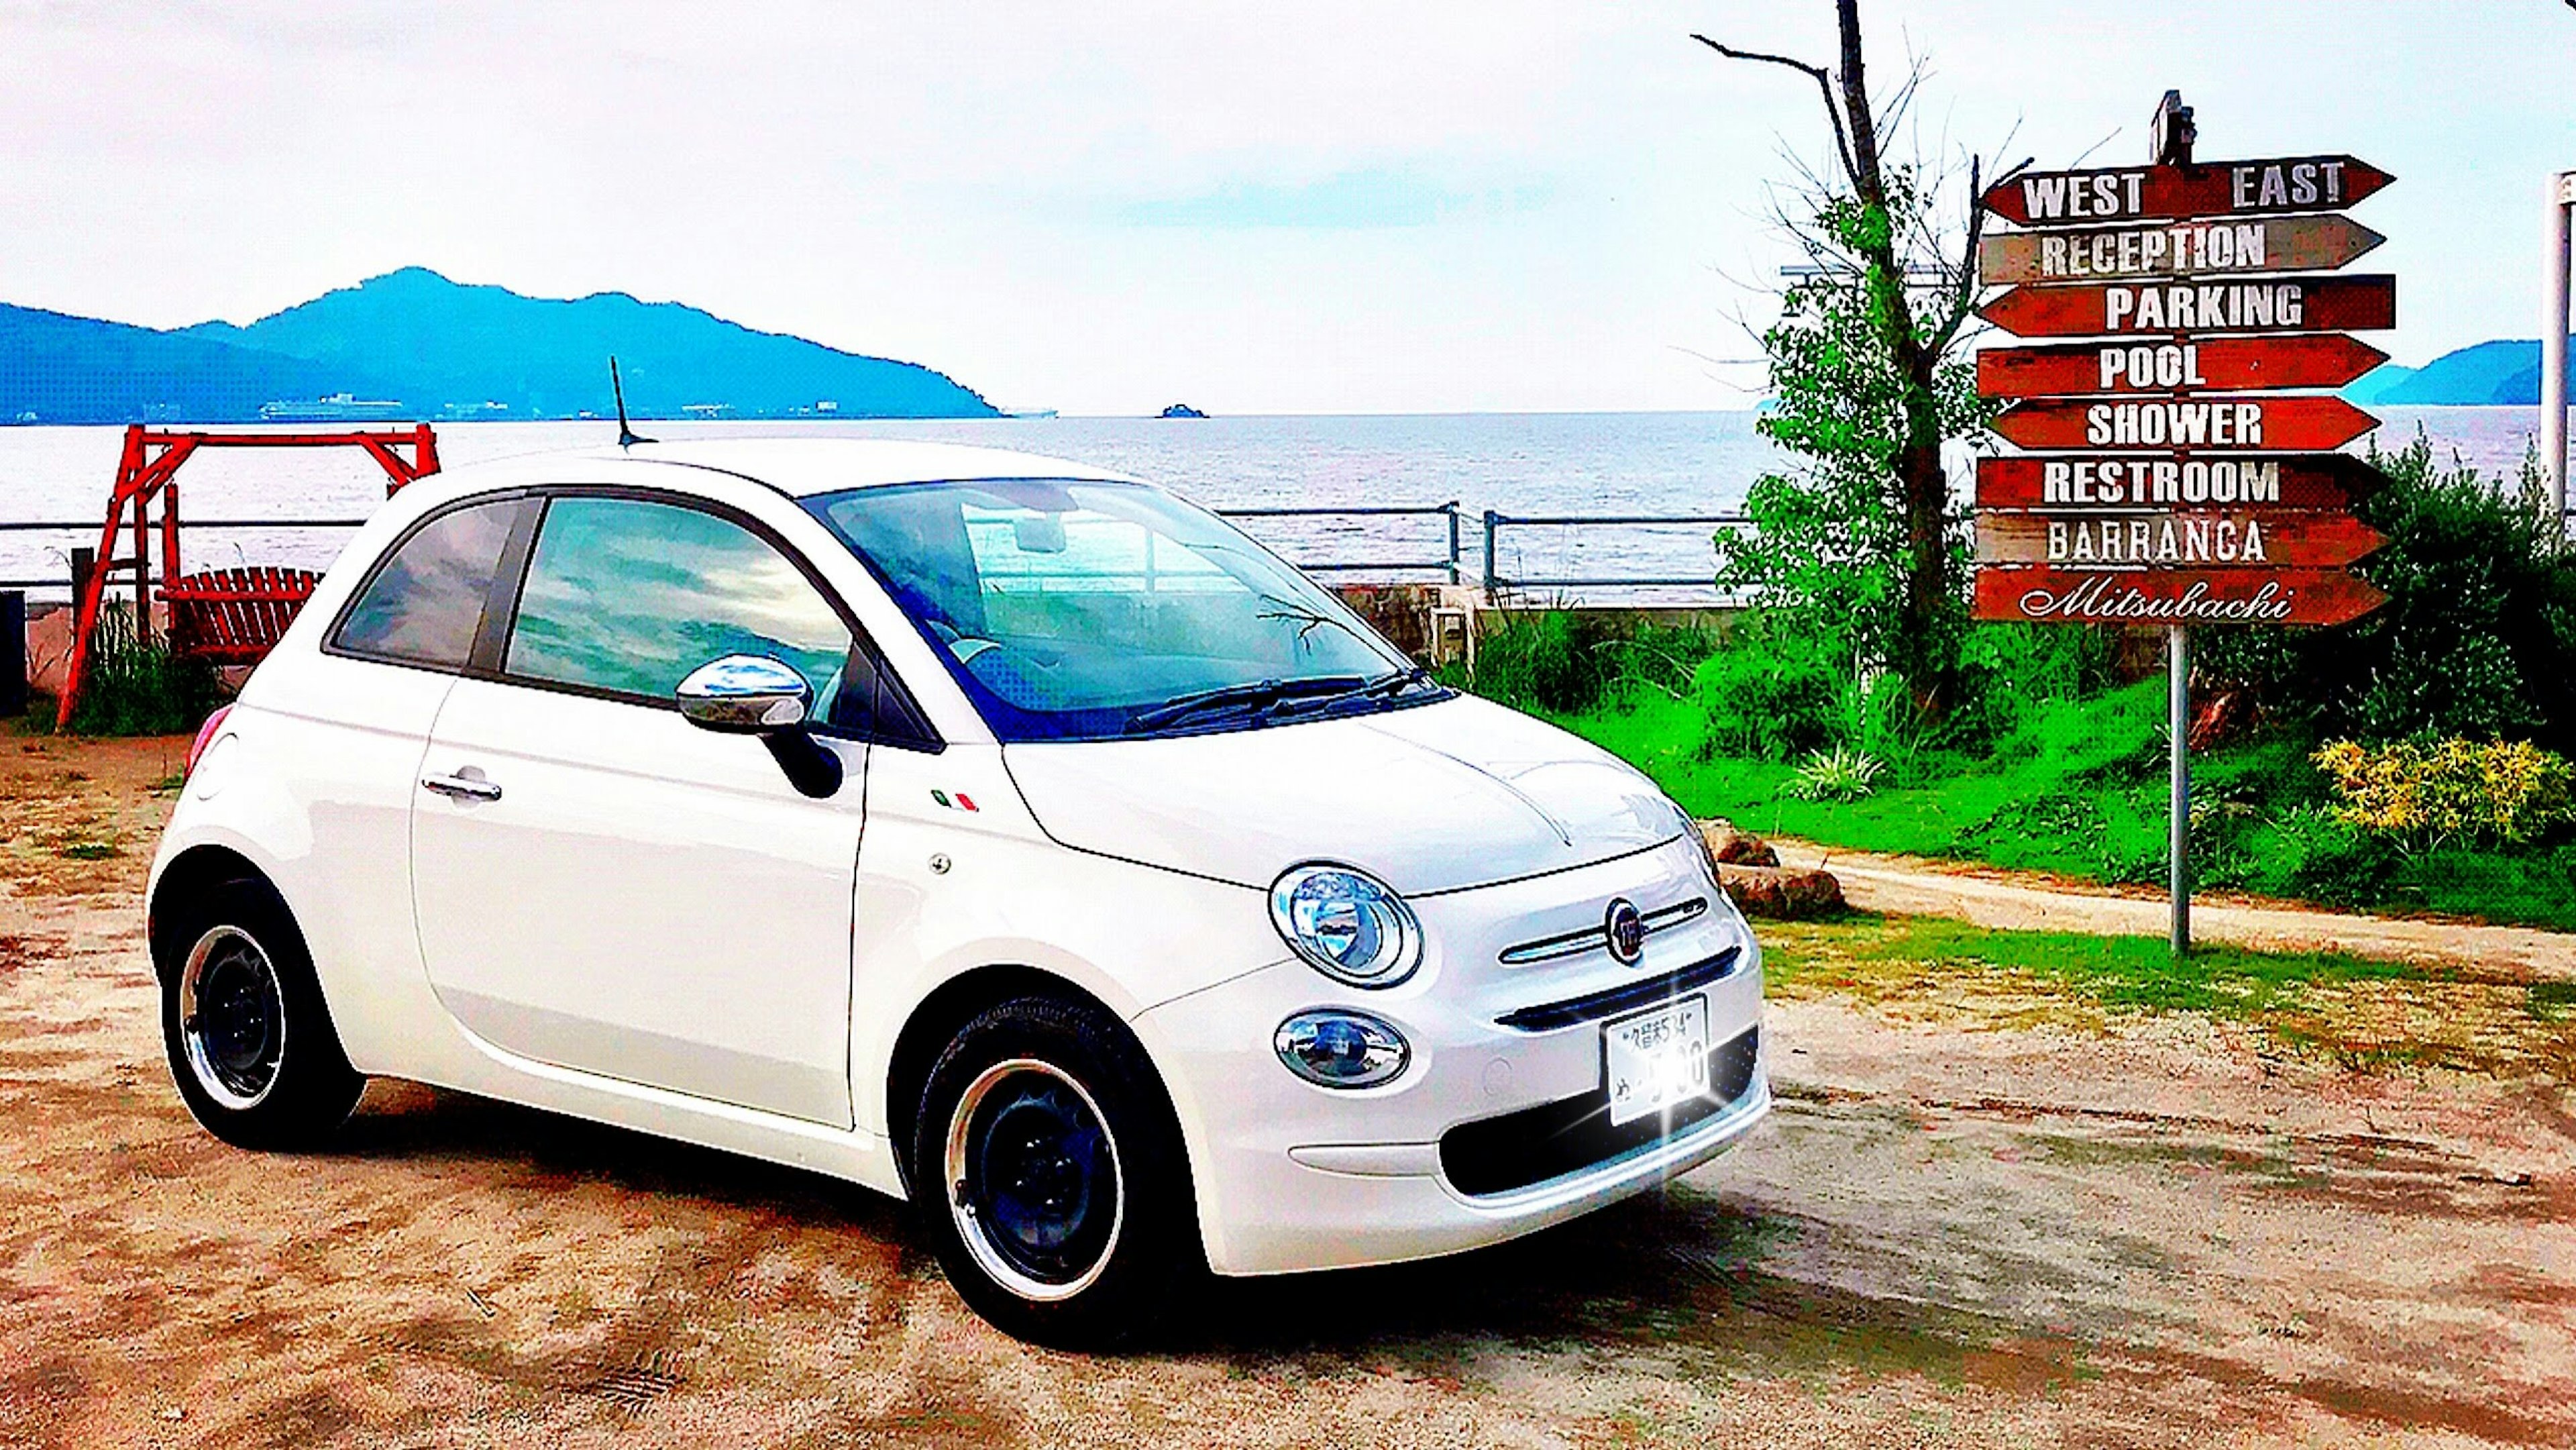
column 2030, row 901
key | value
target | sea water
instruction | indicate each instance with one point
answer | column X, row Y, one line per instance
column 1514, row 463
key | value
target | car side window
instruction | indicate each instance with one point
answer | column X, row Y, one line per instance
column 629, row 595
column 425, row 601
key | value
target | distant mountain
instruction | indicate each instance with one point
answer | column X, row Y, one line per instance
column 56, row 368
column 424, row 346
column 2499, row 372
column 2373, row 385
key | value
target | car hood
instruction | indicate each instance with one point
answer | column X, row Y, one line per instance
column 1429, row 798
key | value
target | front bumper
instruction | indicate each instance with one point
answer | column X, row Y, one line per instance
column 1291, row 1176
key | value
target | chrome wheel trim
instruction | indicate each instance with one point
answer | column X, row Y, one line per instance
column 237, row 967
column 971, row 1229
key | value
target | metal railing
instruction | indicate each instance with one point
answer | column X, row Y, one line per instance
column 88, row 529
column 1450, row 563
column 1497, row 582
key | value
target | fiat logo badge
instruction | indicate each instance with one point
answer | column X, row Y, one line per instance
column 1626, row 931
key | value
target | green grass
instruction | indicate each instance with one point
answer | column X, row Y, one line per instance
column 2121, row 972
column 2079, row 790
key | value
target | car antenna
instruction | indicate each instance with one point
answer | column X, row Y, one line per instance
column 626, row 437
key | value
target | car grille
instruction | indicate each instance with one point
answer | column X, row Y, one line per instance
column 1626, row 997
column 1533, row 1145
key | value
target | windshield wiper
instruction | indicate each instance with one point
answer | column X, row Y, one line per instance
column 1251, row 696
column 1394, row 682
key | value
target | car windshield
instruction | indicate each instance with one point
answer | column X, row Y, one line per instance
column 1073, row 610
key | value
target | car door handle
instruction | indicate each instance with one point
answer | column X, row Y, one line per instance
column 461, row 787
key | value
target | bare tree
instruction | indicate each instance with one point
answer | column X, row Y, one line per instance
column 1917, row 326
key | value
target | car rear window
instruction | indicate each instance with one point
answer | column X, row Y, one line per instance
column 425, row 601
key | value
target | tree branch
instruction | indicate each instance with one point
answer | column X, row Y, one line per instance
column 1824, row 83
column 1964, row 300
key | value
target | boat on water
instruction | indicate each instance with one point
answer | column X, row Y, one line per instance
column 337, row 408
column 1181, row 410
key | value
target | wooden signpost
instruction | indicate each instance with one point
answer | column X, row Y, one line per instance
column 2164, row 366
column 2164, row 249
column 2166, row 479
column 2301, row 424
column 2175, row 305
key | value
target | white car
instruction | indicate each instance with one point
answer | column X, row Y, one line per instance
column 993, row 831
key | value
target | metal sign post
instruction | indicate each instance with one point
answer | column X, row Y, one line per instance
column 2176, row 466
column 2553, row 348
column 2178, row 826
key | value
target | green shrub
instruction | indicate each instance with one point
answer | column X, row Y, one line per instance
column 1563, row 661
column 2423, row 793
column 1839, row 774
column 1770, row 692
column 137, row 687
column 2477, row 639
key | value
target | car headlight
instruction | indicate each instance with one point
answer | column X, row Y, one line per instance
column 1337, row 1049
column 1347, row 925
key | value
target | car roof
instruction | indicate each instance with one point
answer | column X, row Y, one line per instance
column 806, row 466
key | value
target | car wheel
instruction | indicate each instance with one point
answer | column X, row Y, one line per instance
column 1049, row 1172
column 250, row 1044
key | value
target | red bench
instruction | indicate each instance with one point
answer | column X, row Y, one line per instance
column 235, row 616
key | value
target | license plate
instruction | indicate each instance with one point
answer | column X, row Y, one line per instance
column 1656, row 1059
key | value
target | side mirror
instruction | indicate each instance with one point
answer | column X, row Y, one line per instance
column 745, row 695
column 757, row 695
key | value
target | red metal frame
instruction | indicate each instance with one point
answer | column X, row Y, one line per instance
column 151, row 462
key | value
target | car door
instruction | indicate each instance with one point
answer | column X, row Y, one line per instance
column 600, row 884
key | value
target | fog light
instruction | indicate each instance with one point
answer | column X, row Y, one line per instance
column 1341, row 1049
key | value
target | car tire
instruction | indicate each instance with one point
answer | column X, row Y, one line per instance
column 250, row 1044
column 1048, row 1170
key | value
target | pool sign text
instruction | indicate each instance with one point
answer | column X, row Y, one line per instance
column 2327, row 361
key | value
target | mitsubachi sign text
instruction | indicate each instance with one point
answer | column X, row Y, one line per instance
column 2177, row 435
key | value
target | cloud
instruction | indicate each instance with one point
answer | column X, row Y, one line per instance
column 1363, row 199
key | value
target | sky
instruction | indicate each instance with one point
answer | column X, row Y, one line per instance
column 1327, row 207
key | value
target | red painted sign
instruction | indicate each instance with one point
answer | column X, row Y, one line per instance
column 2292, row 424
column 2269, row 304
column 2167, row 249
column 2231, row 539
column 2220, row 188
column 2319, row 481
column 2050, row 595
column 2327, row 361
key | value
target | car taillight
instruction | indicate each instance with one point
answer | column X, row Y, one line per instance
column 206, row 736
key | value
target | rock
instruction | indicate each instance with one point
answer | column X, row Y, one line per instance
column 1738, row 848
column 1781, row 892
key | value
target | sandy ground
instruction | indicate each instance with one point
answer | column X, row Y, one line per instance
column 2031, row 901
column 1953, row 1233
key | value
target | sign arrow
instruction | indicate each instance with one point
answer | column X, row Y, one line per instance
column 2266, row 305
column 2293, row 424
column 2220, row 188
column 2232, row 538
column 2097, row 481
column 2046, row 594
column 2163, row 249
column 2327, row 361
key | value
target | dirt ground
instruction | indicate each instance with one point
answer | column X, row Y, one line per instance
column 1959, row 1229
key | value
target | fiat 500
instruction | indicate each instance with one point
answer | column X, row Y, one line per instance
column 999, row 833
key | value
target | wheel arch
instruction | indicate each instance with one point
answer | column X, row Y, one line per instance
column 188, row 876
column 950, row 1006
